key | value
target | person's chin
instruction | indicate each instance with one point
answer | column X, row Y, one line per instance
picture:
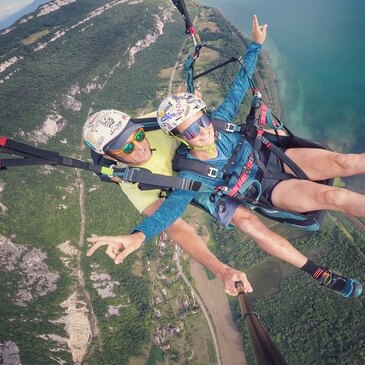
column 206, row 141
column 146, row 156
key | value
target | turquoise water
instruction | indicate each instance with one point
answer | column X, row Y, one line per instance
column 318, row 49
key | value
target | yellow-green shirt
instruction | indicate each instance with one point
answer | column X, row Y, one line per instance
column 164, row 148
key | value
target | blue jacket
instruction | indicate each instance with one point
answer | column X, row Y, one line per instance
column 175, row 205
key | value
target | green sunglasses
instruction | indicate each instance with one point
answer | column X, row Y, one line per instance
column 128, row 148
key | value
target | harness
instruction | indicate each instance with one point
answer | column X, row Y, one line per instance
column 248, row 192
column 263, row 144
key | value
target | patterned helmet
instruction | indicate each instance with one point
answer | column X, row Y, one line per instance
column 177, row 108
column 102, row 128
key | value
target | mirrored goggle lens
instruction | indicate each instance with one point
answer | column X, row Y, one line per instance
column 193, row 130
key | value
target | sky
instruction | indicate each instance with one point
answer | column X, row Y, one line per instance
column 9, row 7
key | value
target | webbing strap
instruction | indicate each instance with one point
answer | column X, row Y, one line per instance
column 214, row 68
column 224, row 126
column 244, row 176
column 180, row 5
column 17, row 162
column 225, row 52
column 180, row 163
column 35, row 156
column 30, row 151
column 288, row 161
column 233, row 159
column 157, row 181
column 190, row 61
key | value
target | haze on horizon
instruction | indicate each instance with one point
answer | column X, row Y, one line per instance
column 10, row 7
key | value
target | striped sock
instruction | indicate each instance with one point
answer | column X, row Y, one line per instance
column 314, row 270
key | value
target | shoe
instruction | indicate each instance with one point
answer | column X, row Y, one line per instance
column 346, row 287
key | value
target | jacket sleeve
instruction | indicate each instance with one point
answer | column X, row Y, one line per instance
column 228, row 109
column 170, row 210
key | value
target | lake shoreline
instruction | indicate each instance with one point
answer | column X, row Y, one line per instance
column 266, row 78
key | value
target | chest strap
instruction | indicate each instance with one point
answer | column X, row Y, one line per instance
column 181, row 163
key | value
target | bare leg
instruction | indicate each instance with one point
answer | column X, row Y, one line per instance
column 278, row 246
column 268, row 240
column 321, row 164
column 304, row 196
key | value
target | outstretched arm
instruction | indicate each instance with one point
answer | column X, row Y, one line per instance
column 167, row 213
column 161, row 215
column 228, row 109
column 119, row 247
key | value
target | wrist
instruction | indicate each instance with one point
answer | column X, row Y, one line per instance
column 139, row 236
column 257, row 44
column 221, row 270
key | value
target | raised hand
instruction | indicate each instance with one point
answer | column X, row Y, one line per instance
column 258, row 31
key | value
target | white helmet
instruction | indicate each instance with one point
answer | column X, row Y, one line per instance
column 177, row 108
column 106, row 128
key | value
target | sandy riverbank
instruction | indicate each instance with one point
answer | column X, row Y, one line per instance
column 229, row 338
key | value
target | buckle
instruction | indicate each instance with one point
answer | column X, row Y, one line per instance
column 213, row 172
column 230, row 127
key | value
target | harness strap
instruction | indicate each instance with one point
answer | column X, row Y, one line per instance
column 203, row 168
column 35, row 156
column 233, row 159
column 219, row 65
column 27, row 161
column 224, row 126
column 180, row 5
column 289, row 162
column 150, row 180
column 244, row 176
column 190, row 62
column 180, row 162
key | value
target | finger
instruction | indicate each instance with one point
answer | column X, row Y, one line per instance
column 263, row 28
column 247, row 286
column 255, row 22
column 241, row 283
column 121, row 257
column 110, row 239
column 110, row 253
column 234, row 285
column 95, row 246
column 231, row 290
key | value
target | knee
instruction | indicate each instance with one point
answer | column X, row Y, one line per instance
column 344, row 161
column 334, row 197
column 245, row 220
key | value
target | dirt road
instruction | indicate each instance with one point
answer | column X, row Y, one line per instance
column 229, row 338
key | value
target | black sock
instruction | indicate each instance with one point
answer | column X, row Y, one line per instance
column 313, row 269
column 321, row 274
